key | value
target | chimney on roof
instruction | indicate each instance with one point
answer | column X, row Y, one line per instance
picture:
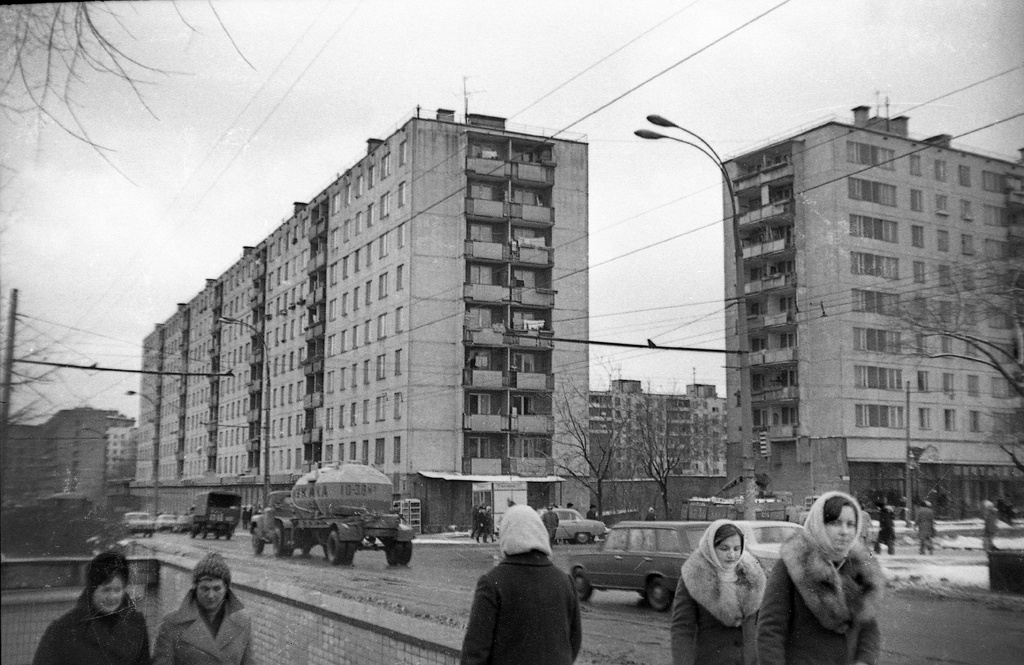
column 372, row 144
column 297, row 207
column 900, row 126
column 446, row 114
column 247, row 249
column 939, row 140
column 860, row 115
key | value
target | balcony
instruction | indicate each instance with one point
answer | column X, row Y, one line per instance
column 529, row 339
column 532, row 213
column 531, row 466
column 316, row 262
column 492, row 168
column 531, row 381
column 780, row 319
column 763, row 176
column 254, row 416
column 318, row 229
column 536, row 256
column 782, row 209
column 315, row 331
column 315, row 435
column 256, row 356
column 255, row 386
column 493, row 336
column 533, row 173
column 787, row 393
column 316, row 366
column 254, row 445
column 485, row 208
column 482, row 378
column 478, row 422
column 485, row 292
column 774, row 356
column 313, row 401
column 766, row 248
column 544, row 424
column 491, row 251
column 782, row 431
column 211, row 427
column 534, row 297
column 256, row 300
column 482, row 466
column 318, row 294
column 779, row 281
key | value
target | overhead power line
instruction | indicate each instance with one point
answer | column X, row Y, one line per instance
column 97, row 368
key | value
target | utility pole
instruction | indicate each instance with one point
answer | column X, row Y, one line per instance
column 8, row 366
column 907, row 457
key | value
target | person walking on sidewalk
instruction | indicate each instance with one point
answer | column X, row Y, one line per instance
column 886, row 530
column 991, row 517
column 926, row 527
column 550, row 519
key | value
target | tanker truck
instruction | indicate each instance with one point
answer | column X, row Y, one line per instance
column 342, row 508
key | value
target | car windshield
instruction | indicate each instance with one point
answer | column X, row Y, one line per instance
column 136, row 516
column 774, row 534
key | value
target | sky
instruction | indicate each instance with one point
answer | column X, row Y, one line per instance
column 242, row 108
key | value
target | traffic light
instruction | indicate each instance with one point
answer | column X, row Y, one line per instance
column 764, row 444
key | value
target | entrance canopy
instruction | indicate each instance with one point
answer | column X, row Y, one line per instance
column 476, row 478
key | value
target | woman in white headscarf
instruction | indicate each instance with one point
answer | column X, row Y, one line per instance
column 823, row 597
column 525, row 609
column 714, row 614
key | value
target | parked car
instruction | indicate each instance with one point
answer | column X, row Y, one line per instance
column 139, row 523
column 572, row 526
column 182, row 523
column 166, row 522
column 638, row 556
column 763, row 538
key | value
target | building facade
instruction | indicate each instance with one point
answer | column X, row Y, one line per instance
column 873, row 265
column 400, row 318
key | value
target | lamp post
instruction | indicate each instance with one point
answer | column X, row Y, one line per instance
column 156, row 454
column 747, row 427
column 265, row 439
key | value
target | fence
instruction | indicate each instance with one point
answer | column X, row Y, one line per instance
column 289, row 625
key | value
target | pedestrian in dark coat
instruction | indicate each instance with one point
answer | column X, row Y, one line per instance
column 926, row 527
column 714, row 614
column 211, row 626
column 886, row 530
column 488, row 525
column 103, row 627
column 525, row 609
column 478, row 523
column 550, row 520
column 823, row 598
column 991, row 518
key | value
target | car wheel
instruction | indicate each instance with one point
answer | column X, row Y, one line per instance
column 658, row 595
column 257, row 544
column 583, row 537
column 584, row 590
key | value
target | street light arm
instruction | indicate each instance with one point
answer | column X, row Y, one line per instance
column 708, row 151
column 655, row 119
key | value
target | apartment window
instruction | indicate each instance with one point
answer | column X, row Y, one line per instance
column 329, row 382
column 915, row 165
column 945, row 276
column 385, row 166
column 863, row 226
column 382, row 286
column 344, row 304
column 366, row 372
column 917, row 236
column 965, row 175
column 396, row 450
column 862, row 263
column 332, row 309
column 874, row 339
column 385, row 205
column 366, row 332
column 379, row 408
column 916, row 200
column 993, row 182
column 355, row 299
column 876, row 302
column 967, row 244
column 966, row 212
column 941, row 204
column 398, row 406
column 949, row 419
column 946, row 343
column 942, row 240
column 924, row 418
column 366, row 451
column 398, row 362
column 370, row 219
column 973, row 385
column 400, row 277
column 329, row 418
column 382, row 325
column 378, row 452
column 875, row 192
column 879, row 415
column 947, row 384
column 400, row 235
column 369, row 254
column 996, row 249
column 995, row 216
column 940, row 170
column 382, row 244
column 346, row 230
column 355, row 374
column 360, row 185
column 368, row 292
column 359, row 222
column 371, row 176
column 919, row 272
column 341, row 379
column 348, row 194
column 403, row 153
column 366, row 412
column 975, row 420
column 402, row 193
column 878, row 378
column 330, row 345
column 343, row 341
column 352, row 423
column 863, row 153
column 399, row 319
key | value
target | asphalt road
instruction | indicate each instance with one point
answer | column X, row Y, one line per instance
column 618, row 627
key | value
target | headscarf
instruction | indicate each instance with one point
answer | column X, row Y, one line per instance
column 105, row 566
column 814, row 525
column 522, row 531
column 706, row 549
column 730, row 594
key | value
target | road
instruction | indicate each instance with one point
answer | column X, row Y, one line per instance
column 618, row 628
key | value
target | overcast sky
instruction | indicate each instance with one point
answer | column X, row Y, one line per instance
column 100, row 252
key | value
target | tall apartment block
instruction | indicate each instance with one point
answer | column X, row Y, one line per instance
column 871, row 260
column 405, row 315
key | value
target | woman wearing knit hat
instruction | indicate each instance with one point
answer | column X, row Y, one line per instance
column 823, row 597
column 210, row 627
column 104, row 626
column 714, row 615
column 525, row 609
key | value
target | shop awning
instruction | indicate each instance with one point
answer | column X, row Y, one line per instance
column 477, row 478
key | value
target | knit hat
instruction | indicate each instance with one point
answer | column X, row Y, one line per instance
column 105, row 566
column 522, row 531
column 212, row 565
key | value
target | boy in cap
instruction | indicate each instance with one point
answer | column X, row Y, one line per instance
column 211, row 626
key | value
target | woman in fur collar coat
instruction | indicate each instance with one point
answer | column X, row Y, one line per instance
column 823, row 597
column 525, row 609
column 714, row 614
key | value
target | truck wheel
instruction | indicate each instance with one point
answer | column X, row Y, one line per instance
column 277, row 540
column 257, row 544
column 334, row 548
column 348, row 552
column 391, row 551
column 227, row 534
column 404, row 553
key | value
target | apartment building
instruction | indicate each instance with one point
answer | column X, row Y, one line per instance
column 871, row 259
column 402, row 317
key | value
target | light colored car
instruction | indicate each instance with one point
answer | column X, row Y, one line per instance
column 166, row 522
column 142, row 523
column 182, row 523
column 763, row 538
column 574, row 527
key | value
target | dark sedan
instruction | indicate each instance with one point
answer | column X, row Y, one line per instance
column 638, row 556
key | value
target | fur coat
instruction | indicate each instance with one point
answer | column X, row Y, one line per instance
column 815, row 612
column 80, row 636
column 715, row 622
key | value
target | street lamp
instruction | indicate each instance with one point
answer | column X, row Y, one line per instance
column 156, row 453
column 265, row 439
column 747, row 428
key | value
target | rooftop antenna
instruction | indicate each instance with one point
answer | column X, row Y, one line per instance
column 887, row 113
column 466, row 93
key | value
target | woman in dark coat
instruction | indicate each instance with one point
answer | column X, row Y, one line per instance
column 103, row 627
column 714, row 615
column 525, row 609
column 823, row 597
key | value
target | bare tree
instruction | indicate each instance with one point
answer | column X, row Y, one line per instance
column 656, row 444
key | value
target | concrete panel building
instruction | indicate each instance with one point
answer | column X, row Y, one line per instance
column 873, row 268
column 404, row 315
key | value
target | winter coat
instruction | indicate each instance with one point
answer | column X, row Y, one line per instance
column 814, row 614
column 886, row 525
column 991, row 521
column 80, row 636
column 925, row 522
column 525, row 610
column 699, row 634
column 550, row 520
column 184, row 637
